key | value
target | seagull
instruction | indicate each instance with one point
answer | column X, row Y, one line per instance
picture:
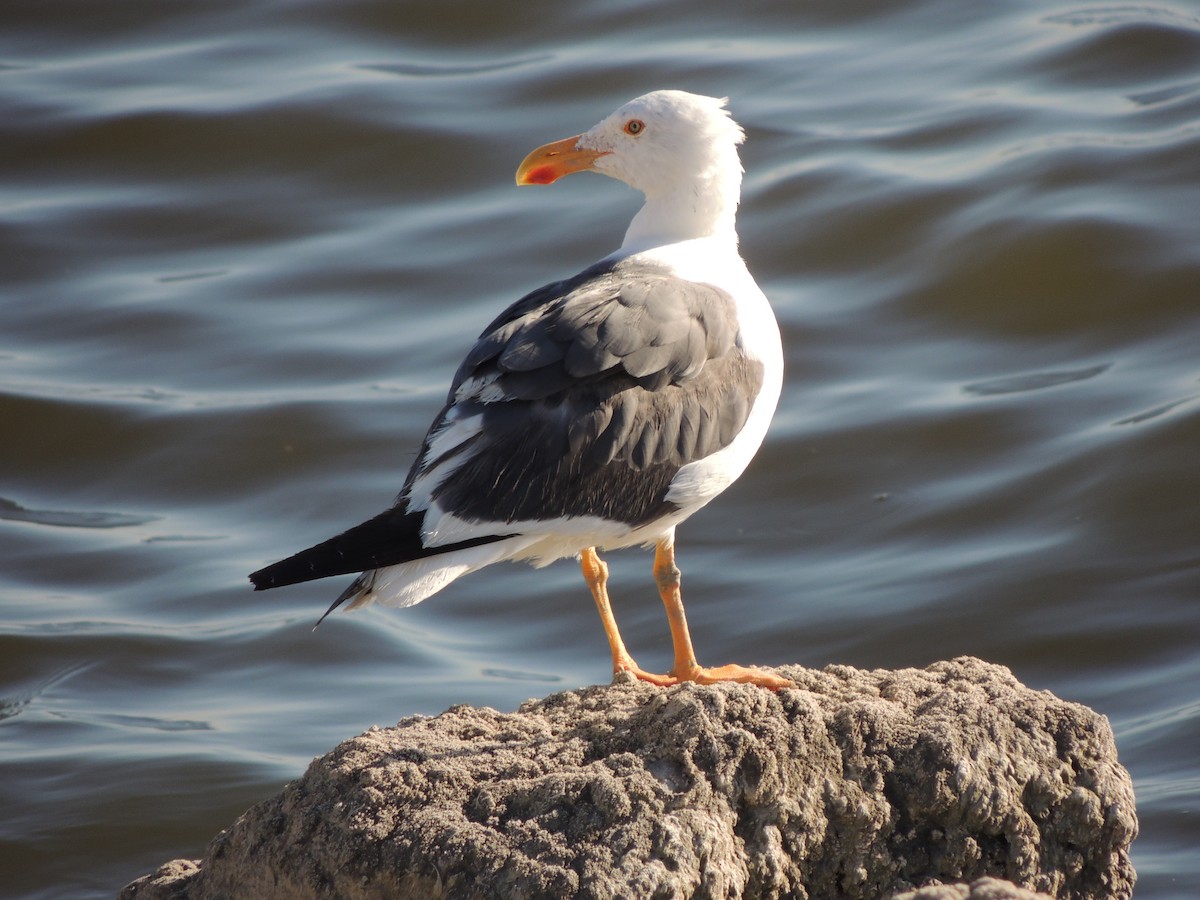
column 600, row 411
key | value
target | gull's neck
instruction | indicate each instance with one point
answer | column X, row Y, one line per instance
column 698, row 208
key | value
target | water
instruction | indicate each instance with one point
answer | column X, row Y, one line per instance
column 244, row 245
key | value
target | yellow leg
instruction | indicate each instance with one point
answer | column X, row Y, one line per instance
column 666, row 574
column 595, row 573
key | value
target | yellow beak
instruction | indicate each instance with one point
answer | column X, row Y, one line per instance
column 550, row 162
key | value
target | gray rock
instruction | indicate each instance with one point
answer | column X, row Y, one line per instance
column 857, row 784
column 981, row 889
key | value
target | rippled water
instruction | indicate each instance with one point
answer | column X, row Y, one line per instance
column 244, row 245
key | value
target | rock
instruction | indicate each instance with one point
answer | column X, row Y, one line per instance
column 982, row 889
column 857, row 784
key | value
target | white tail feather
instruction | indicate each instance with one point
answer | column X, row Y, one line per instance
column 409, row 583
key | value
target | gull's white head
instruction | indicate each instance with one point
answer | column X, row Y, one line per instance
column 678, row 149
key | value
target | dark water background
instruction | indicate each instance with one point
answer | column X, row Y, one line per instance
column 243, row 246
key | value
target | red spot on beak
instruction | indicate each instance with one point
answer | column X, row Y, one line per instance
column 542, row 175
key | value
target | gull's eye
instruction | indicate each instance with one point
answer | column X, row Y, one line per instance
column 635, row 127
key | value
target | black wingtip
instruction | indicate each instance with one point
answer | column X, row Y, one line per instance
column 392, row 537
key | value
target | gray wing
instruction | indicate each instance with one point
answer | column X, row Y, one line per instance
column 586, row 398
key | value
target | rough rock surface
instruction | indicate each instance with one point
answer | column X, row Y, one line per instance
column 858, row 784
column 981, row 889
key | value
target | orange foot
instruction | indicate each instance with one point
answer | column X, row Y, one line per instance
column 700, row 675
